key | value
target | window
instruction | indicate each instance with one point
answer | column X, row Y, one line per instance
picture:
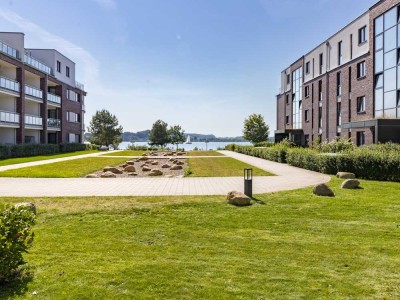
column 287, row 119
column 73, row 138
column 306, row 139
column 307, row 115
column 362, row 35
column 58, row 66
column 308, row 67
column 361, row 104
column 320, row 90
column 71, row 95
column 73, row 117
column 360, row 138
column 340, row 54
column 361, row 72
column 339, row 114
column 321, row 62
column 319, row 117
column 339, row 84
column 287, row 99
column 67, row 71
column 288, row 79
column 351, row 46
column 307, row 91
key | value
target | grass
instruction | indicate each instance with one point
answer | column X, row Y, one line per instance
column 288, row 245
column 19, row 160
column 125, row 153
column 219, row 167
column 66, row 169
column 204, row 153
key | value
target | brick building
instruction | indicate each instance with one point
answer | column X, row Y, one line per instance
column 348, row 86
column 40, row 101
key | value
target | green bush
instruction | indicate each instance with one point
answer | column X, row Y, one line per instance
column 275, row 153
column 264, row 144
column 16, row 237
column 335, row 146
column 25, row 150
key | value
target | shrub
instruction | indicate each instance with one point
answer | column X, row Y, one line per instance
column 335, row 146
column 16, row 237
column 25, row 150
column 275, row 153
column 264, row 144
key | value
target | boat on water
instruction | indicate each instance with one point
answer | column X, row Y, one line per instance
column 188, row 140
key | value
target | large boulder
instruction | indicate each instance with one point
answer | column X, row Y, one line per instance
column 345, row 175
column 130, row 169
column 28, row 205
column 238, row 199
column 350, row 184
column 155, row 172
column 112, row 170
column 323, row 190
column 176, row 167
column 92, row 176
column 108, row 174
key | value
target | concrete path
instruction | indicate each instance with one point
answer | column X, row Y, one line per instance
column 289, row 178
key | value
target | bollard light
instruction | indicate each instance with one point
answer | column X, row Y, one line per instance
column 248, row 182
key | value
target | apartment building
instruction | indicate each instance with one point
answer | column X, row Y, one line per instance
column 40, row 101
column 348, row 86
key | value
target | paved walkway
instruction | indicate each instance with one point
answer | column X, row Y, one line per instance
column 288, row 178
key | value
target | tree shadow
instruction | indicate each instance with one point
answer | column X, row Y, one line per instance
column 18, row 285
column 258, row 201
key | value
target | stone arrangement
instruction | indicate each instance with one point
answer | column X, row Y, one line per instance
column 350, row 183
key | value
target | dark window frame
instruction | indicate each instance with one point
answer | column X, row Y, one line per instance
column 362, row 35
column 58, row 66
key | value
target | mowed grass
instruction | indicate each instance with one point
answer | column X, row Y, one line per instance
column 124, row 153
column 66, row 169
column 204, row 153
column 219, row 167
column 19, row 160
column 288, row 245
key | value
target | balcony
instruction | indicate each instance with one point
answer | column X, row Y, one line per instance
column 34, row 92
column 37, row 64
column 79, row 85
column 33, row 120
column 9, row 50
column 9, row 117
column 53, row 123
column 9, row 84
column 53, row 98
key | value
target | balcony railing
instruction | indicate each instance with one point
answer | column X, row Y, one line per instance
column 33, row 120
column 53, row 98
column 53, row 123
column 79, row 85
column 9, row 84
column 32, row 91
column 9, row 50
column 37, row 64
column 9, row 117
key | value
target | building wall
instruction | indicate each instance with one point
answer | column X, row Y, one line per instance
column 7, row 135
column 15, row 40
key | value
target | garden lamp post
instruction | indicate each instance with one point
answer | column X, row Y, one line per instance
column 248, row 182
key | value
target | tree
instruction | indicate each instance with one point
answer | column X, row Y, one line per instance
column 255, row 130
column 176, row 135
column 159, row 134
column 104, row 129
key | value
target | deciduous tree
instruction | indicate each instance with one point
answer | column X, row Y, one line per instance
column 176, row 135
column 159, row 134
column 255, row 130
column 105, row 129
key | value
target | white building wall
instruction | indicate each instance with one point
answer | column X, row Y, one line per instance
column 7, row 135
column 15, row 40
column 7, row 103
column 34, row 133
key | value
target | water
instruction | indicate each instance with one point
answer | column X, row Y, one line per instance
column 187, row 147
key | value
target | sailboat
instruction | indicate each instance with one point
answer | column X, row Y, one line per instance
column 188, row 140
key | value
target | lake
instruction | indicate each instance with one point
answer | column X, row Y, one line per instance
column 187, row 147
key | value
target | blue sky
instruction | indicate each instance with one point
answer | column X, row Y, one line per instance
column 203, row 64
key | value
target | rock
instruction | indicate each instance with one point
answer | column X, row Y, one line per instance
column 350, row 184
column 144, row 154
column 112, row 170
column 130, row 169
column 154, row 162
column 180, row 163
column 146, row 169
column 144, row 158
column 238, row 199
column 345, row 175
column 171, row 159
column 130, row 163
column 176, row 167
column 92, row 176
column 180, row 153
column 323, row 190
column 29, row 205
column 155, row 172
column 108, row 174
column 166, row 154
column 132, row 174
column 165, row 166
column 124, row 165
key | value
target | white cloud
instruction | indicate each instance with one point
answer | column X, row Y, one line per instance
column 106, row 4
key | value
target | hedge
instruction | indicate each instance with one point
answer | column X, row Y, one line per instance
column 25, row 150
column 276, row 153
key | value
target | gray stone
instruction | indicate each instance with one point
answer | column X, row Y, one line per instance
column 154, row 162
column 92, row 176
column 350, row 184
column 146, row 169
column 144, row 158
column 130, row 169
column 176, row 167
column 132, row 174
column 165, row 166
column 155, row 172
column 345, row 175
column 238, row 199
column 108, row 174
column 112, row 170
column 29, row 205
column 130, row 163
column 323, row 190
column 180, row 163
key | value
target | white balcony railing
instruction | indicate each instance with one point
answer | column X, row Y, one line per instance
column 32, row 91
column 9, row 50
column 37, row 64
column 9, row 84
column 9, row 117
column 53, row 98
column 33, row 120
column 53, row 123
column 79, row 85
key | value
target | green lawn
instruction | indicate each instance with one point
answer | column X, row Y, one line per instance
column 125, row 153
column 216, row 167
column 289, row 245
column 204, row 153
column 66, row 169
column 19, row 160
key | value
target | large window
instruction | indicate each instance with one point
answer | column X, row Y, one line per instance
column 360, row 138
column 387, row 67
column 297, row 100
column 73, row 117
column 361, row 104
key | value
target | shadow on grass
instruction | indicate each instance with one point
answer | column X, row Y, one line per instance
column 258, row 201
column 18, row 285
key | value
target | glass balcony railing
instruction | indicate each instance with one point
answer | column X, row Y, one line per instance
column 79, row 85
column 53, row 123
column 33, row 120
column 9, row 84
column 9, row 117
column 32, row 91
column 9, row 50
column 37, row 64
column 53, row 98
